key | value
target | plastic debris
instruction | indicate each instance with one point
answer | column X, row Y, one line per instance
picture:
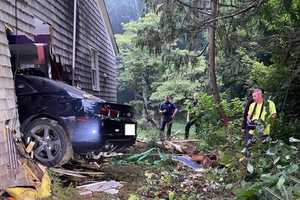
column 111, row 187
column 187, row 161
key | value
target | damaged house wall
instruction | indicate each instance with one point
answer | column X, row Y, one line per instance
column 92, row 39
column 11, row 172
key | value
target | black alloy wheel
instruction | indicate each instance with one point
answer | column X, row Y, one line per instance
column 52, row 146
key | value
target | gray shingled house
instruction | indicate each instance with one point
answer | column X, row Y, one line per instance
column 82, row 52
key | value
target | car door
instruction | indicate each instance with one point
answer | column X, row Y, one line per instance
column 25, row 98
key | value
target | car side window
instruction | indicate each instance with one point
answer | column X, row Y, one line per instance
column 23, row 88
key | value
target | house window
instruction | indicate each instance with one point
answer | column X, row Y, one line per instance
column 95, row 70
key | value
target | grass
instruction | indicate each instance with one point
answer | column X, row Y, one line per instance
column 178, row 128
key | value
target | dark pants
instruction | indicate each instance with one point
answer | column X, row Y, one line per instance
column 248, row 138
column 187, row 128
column 165, row 123
column 251, row 139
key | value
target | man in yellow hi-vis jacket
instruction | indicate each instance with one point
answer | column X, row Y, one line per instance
column 260, row 112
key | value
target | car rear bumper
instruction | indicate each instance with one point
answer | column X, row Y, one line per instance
column 95, row 133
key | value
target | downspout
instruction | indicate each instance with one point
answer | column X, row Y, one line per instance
column 74, row 42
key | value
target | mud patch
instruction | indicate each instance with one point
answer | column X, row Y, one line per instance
column 131, row 176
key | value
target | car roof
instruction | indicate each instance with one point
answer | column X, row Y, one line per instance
column 46, row 85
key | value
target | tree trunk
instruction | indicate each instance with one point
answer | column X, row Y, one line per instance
column 145, row 102
column 211, row 60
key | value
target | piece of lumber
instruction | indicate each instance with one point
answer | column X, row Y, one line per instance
column 91, row 173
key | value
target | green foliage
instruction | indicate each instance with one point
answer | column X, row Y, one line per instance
column 179, row 90
column 139, row 68
column 133, row 197
column 269, row 77
column 208, row 126
column 274, row 165
column 61, row 191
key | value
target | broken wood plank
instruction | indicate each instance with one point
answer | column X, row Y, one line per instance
column 66, row 172
column 32, row 168
column 30, row 146
column 91, row 173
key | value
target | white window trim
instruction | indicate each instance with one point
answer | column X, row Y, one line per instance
column 95, row 67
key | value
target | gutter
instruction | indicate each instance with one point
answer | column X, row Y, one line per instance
column 74, row 42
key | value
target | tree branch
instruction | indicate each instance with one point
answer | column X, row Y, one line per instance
column 253, row 5
column 203, row 50
column 227, row 5
column 200, row 10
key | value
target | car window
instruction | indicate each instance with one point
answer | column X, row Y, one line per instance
column 23, row 88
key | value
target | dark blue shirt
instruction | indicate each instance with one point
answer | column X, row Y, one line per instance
column 169, row 107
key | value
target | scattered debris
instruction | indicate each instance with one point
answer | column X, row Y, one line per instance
column 34, row 171
column 67, row 172
column 30, row 193
column 111, row 187
column 30, row 146
column 73, row 172
column 150, row 152
column 187, row 161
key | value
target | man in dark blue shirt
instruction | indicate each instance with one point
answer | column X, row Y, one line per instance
column 168, row 111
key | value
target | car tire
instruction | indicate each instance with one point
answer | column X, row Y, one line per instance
column 52, row 146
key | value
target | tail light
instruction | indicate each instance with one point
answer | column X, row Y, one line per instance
column 105, row 111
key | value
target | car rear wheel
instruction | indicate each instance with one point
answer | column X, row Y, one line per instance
column 51, row 143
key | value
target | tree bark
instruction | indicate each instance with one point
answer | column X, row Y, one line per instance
column 145, row 102
column 211, row 60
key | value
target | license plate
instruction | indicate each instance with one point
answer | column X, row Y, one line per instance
column 130, row 129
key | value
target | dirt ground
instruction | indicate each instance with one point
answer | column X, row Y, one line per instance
column 150, row 178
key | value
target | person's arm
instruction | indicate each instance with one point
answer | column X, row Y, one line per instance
column 272, row 108
column 161, row 109
column 250, row 111
column 188, row 116
column 174, row 113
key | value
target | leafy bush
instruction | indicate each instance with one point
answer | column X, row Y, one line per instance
column 275, row 173
column 208, row 126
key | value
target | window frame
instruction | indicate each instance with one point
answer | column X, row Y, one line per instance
column 95, row 77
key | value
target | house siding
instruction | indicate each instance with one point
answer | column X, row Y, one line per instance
column 8, row 108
